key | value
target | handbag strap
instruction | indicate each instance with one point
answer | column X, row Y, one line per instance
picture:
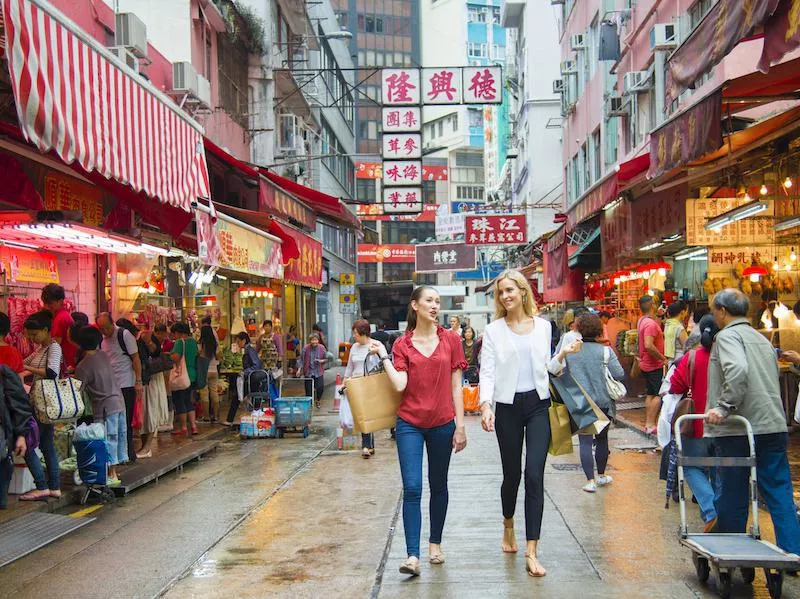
column 691, row 369
column 606, row 356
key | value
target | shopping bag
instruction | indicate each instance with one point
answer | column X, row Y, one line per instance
column 560, row 429
column 564, row 389
column 373, row 401
column 57, row 400
column 471, row 398
column 596, row 427
column 345, row 414
column 137, row 417
column 179, row 377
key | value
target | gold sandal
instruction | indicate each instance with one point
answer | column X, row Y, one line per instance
column 508, row 524
column 538, row 573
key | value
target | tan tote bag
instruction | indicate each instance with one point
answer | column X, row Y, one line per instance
column 373, row 401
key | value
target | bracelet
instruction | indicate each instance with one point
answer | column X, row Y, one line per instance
column 383, row 359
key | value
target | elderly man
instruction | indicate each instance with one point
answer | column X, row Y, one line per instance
column 122, row 350
column 743, row 380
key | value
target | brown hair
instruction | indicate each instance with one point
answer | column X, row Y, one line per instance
column 589, row 326
column 415, row 297
column 361, row 327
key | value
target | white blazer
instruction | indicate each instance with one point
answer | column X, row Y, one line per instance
column 500, row 363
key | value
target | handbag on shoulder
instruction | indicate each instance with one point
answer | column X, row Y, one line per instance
column 373, row 400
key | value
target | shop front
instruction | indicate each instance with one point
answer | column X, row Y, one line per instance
column 302, row 280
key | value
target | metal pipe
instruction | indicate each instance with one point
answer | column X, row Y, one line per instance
column 633, row 35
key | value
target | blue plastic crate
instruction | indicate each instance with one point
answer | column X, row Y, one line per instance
column 292, row 411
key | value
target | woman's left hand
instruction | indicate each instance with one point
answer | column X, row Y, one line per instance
column 459, row 439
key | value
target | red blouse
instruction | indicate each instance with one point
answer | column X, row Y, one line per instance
column 428, row 397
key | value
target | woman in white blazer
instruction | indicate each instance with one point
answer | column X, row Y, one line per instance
column 514, row 378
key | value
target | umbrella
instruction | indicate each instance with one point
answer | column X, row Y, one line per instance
column 672, row 473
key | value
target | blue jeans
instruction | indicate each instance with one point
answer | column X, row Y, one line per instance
column 774, row 483
column 47, row 445
column 410, row 441
column 698, row 478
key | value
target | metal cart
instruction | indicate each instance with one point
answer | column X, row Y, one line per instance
column 722, row 553
column 293, row 412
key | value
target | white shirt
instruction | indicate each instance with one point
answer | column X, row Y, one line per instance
column 500, row 363
column 120, row 362
column 524, row 346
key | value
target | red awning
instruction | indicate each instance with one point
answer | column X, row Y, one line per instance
column 632, row 168
column 73, row 98
column 263, row 221
column 780, row 80
column 319, row 201
column 229, row 159
column 601, row 194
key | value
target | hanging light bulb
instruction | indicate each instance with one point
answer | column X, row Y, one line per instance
column 763, row 191
column 787, row 182
column 781, row 311
column 793, row 256
column 775, row 265
column 787, row 267
column 650, row 292
column 766, row 319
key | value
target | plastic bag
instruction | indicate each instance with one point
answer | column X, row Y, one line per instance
column 137, row 417
column 664, row 429
column 345, row 415
column 90, row 432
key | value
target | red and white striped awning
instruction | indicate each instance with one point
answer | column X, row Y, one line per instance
column 73, row 97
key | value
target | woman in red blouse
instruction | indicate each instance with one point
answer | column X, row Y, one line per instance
column 426, row 367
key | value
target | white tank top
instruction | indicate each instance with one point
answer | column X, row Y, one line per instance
column 523, row 345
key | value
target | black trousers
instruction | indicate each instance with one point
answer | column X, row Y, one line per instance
column 129, row 394
column 525, row 421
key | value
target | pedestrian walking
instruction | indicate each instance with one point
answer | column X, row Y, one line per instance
column 651, row 360
column 359, row 353
column 471, row 349
column 743, row 380
column 267, row 349
column 209, row 394
column 312, row 366
column 455, row 325
column 185, row 349
column 426, row 366
column 675, row 334
column 691, row 376
column 45, row 363
column 123, row 352
column 587, row 368
column 154, row 404
column 514, row 378
column 108, row 405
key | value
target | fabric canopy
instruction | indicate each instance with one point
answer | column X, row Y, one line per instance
column 75, row 98
column 263, row 221
column 588, row 255
column 632, row 168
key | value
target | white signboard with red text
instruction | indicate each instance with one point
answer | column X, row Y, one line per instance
column 400, row 87
column 483, row 85
column 402, row 200
column 402, row 172
column 405, row 146
column 402, row 119
column 441, row 86
column 495, row 229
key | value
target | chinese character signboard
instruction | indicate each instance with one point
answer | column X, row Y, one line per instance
column 404, row 146
column 400, row 120
column 402, row 200
column 376, row 212
column 243, row 251
column 441, row 86
column 436, row 257
column 27, row 265
column 756, row 230
column 483, row 85
column 402, row 172
column 397, row 253
column 306, row 269
column 495, row 229
column 68, row 194
column 400, row 87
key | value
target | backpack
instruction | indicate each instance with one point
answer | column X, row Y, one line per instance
column 121, row 342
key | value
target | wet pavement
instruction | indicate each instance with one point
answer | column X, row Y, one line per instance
column 297, row 518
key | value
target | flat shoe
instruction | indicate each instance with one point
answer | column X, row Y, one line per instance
column 436, row 558
column 410, row 566
column 35, row 495
column 147, row 454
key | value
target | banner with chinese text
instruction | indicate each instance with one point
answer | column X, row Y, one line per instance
column 27, row 265
column 68, row 194
column 306, row 269
column 757, row 230
column 242, row 250
column 438, row 257
column 505, row 229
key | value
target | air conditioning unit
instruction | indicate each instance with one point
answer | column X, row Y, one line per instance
column 568, row 67
column 558, row 86
column 616, row 106
column 632, row 80
column 184, row 78
column 577, row 42
column 126, row 57
column 663, row 36
column 204, row 90
column 131, row 33
column 556, row 2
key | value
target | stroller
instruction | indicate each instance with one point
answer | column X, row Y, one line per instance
column 259, row 390
column 92, row 461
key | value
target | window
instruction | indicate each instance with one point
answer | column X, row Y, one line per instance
column 441, row 128
column 698, row 10
column 587, row 167
column 397, row 272
column 576, row 176
column 360, row 21
column 477, row 50
column 341, row 18
column 338, row 163
column 496, row 15
column 232, row 65
column 370, row 24
column 365, row 191
column 407, row 231
column 596, row 164
column 368, row 272
column 430, row 278
column 476, row 14
column 475, row 118
column 469, row 159
column 378, row 25
column 473, row 193
column 455, row 122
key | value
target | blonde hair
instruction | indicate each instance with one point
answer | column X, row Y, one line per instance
column 528, row 305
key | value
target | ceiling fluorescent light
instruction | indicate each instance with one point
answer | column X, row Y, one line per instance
column 788, row 224
column 744, row 211
column 690, row 253
column 651, row 246
column 672, row 238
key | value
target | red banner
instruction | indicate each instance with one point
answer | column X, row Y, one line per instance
column 495, row 229
column 27, row 265
column 562, row 284
column 616, row 235
column 306, row 269
column 275, row 201
column 781, row 34
column 602, row 194
column 401, row 253
column 694, row 133
column 722, row 28
column 656, row 215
